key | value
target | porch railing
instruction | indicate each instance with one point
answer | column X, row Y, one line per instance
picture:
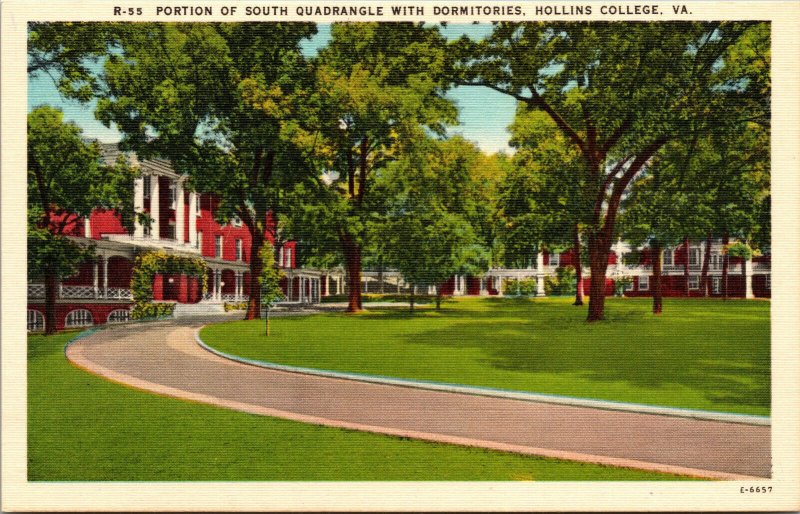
column 82, row 292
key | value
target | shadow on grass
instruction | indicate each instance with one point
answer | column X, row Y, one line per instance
column 723, row 356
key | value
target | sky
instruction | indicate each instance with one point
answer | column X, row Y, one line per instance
column 483, row 114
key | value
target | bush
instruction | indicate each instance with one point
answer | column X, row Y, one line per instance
column 513, row 287
column 151, row 310
column 230, row 306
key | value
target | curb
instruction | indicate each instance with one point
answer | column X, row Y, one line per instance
column 722, row 417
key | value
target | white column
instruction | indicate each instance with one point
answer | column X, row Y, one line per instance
column 748, row 278
column 193, row 218
column 180, row 209
column 138, row 206
column 539, row 274
column 87, row 226
column 237, row 283
column 155, row 208
column 96, row 281
column 219, row 284
column 499, row 286
column 105, row 277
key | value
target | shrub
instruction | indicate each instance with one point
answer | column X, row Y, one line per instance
column 230, row 306
column 150, row 310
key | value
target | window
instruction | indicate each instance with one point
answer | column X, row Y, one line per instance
column 218, row 247
column 200, row 241
column 119, row 316
column 666, row 257
column 147, row 185
column 554, row 259
column 173, row 195
column 694, row 256
column 236, row 221
column 694, row 282
column 238, row 249
column 716, row 261
column 197, row 204
column 35, row 321
column 288, row 256
column 644, row 283
column 716, row 285
column 79, row 318
column 629, row 285
column 171, row 231
column 769, row 282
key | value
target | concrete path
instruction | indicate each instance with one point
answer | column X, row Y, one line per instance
column 164, row 358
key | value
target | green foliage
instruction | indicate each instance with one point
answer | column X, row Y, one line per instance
column 66, row 52
column 517, row 287
column 270, row 278
column 146, row 266
column 562, row 284
column 741, row 250
column 150, row 310
column 230, row 306
column 53, row 254
column 620, row 283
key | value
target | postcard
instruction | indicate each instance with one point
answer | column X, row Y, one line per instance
column 400, row 256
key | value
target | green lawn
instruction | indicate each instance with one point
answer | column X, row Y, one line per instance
column 700, row 354
column 81, row 427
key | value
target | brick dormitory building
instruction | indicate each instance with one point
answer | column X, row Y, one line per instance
column 182, row 223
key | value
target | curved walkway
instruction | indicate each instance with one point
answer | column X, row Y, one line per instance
column 164, row 358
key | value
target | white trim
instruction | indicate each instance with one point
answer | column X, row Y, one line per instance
column 644, row 282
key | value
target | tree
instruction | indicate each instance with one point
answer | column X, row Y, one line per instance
column 551, row 211
column 380, row 84
column 269, row 281
column 618, row 92
column 226, row 104
column 68, row 54
column 67, row 180
column 426, row 234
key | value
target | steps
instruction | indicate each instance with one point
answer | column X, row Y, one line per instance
column 188, row 310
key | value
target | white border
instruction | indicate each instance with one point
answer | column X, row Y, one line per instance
column 17, row 494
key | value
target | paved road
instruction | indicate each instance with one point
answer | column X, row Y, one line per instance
column 163, row 357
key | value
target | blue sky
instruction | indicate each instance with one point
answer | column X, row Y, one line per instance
column 483, row 114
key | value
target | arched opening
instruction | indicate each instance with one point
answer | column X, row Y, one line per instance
column 35, row 321
column 79, row 318
column 119, row 316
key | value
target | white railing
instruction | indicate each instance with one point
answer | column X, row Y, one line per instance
column 82, row 292
column 116, row 293
column 35, row 290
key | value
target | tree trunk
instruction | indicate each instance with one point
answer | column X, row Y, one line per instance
column 657, row 296
column 411, row 298
column 725, row 261
column 267, row 321
column 352, row 262
column 578, row 268
column 50, row 294
column 686, row 267
column 705, row 283
column 598, row 264
column 438, row 296
column 254, row 303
